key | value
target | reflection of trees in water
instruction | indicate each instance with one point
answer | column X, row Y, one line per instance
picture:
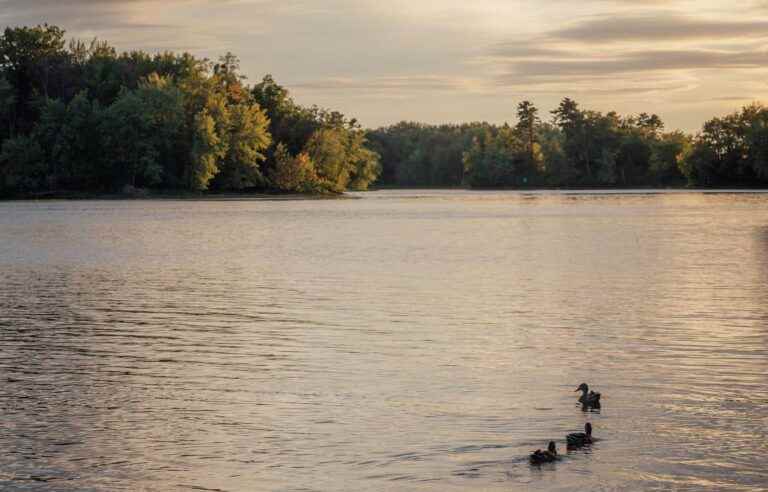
column 762, row 238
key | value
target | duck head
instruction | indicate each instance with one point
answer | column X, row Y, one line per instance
column 583, row 387
column 552, row 448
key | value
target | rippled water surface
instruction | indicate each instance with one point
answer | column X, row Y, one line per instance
column 400, row 341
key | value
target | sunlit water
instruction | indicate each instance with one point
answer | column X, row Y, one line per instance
column 401, row 341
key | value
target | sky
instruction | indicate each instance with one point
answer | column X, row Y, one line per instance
column 446, row 61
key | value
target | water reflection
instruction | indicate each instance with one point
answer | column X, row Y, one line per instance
column 407, row 340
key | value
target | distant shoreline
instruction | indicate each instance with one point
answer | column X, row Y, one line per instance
column 273, row 197
column 581, row 190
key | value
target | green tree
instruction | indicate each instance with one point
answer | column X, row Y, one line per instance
column 164, row 109
column 70, row 138
column 668, row 153
column 128, row 143
column 632, row 159
column 527, row 122
column 365, row 164
column 327, row 148
column 495, row 159
column 7, row 109
column 289, row 123
column 22, row 165
column 755, row 122
column 556, row 167
column 29, row 57
column 209, row 121
column 576, row 126
column 207, row 150
column 139, row 132
column 248, row 138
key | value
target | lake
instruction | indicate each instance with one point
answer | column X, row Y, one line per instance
column 405, row 340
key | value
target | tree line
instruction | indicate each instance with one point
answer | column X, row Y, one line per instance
column 576, row 148
column 81, row 116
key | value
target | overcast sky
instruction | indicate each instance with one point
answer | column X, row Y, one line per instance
column 456, row 60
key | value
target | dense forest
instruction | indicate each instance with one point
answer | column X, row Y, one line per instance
column 577, row 148
column 81, row 117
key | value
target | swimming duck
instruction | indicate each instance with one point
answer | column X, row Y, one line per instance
column 538, row 457
column 588, row 399
column 580, row 439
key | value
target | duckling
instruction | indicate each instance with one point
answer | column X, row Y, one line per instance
column 538, row 457
column 580, row 439
column 588, row 399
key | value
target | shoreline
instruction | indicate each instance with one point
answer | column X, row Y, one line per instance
column 260, row 196
column 355, row 195
column 583, row 191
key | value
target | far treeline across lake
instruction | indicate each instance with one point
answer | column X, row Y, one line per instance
column 80, row 117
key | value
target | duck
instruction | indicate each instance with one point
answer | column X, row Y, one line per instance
column 588, row 399
column 538, row 457
column 580, row 439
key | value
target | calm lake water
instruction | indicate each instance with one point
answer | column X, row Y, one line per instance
column 403, row 341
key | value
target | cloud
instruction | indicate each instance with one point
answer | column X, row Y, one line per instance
column 603, row 51
column 75, row 14
column 657, row 26
column 639, row 61
column 529, row 49
column 149, row 25
column 385, row 84
column 510, row 85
